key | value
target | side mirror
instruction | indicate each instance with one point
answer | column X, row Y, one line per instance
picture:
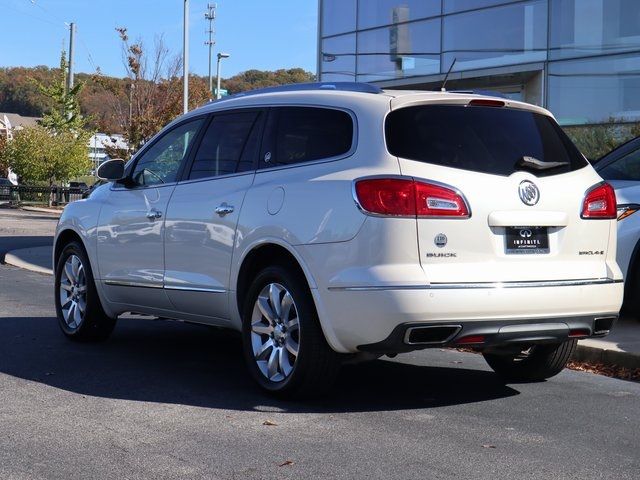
column 111, row 170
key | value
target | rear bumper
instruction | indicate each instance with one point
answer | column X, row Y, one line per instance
column 487, row 334
column 377, row 318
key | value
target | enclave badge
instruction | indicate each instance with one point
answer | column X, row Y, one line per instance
column 529, row 193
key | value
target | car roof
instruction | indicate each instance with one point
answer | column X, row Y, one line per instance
column 350, row 94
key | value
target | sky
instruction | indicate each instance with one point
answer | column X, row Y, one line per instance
column 258, row 34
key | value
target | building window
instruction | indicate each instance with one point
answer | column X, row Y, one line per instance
column 338, row 16
column 378, row 13
column 338, row 58
column 402, row 50
column 507, row 35
column 595, row 90
column 593, row 27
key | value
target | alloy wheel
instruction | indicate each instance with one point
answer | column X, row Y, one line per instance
column 73, row 292
column 275, row 332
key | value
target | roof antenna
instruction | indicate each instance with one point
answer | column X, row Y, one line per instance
column 446, row 77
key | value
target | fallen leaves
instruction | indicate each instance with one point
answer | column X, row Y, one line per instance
column 270, row 423
column 606, row 370
column 286, row 463
column 488, row 446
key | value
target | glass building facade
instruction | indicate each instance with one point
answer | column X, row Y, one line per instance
column 579, row 58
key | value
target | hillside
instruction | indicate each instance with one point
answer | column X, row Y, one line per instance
column 103, row 98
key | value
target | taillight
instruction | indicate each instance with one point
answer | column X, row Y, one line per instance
column 600, row 203
column 406, row 197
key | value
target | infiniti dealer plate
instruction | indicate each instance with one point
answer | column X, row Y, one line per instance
column 527, row 240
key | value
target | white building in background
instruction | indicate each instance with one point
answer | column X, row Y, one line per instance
column 9, row 123
column 99, row 143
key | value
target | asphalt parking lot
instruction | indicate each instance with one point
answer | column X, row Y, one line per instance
column 163, row 399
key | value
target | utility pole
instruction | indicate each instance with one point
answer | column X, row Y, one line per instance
column 210, row 15
column 72, row 31
column 185, row 59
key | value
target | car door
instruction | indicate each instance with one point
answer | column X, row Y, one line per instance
column 203, row 214
column 131, row 225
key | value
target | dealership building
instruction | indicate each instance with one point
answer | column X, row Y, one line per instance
column 578, row 58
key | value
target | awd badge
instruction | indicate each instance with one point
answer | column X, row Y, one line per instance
column 440, row 240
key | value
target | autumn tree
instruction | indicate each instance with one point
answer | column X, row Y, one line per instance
column 153, row 89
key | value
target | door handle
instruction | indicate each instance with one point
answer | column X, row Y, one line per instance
column 153, row 214
column 224, row 209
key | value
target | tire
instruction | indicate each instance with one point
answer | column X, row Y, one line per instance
column 75, row 289
column 532, row 365
column 288, row 359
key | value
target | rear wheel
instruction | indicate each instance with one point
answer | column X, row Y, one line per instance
column 284, row 346
column 80, row 314
column 533, row 364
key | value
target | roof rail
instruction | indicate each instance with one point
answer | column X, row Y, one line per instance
column 298, row 87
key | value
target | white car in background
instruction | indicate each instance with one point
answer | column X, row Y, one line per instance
column 332, row 222
column 621, row 169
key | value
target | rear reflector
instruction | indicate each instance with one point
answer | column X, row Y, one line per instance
column 470, row 339
column 600, row 203
column 406, row 197
column 579, row 333
column 486, row 103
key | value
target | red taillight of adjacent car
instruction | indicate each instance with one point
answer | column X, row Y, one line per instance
column 406, row 197
column 600, row 203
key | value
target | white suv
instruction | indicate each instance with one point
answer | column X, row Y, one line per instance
column 332, row 222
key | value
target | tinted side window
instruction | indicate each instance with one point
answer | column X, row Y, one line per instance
column 224, row 148
column 492, row 140
column 161, row 162
column 625, row 168
column 303, row 134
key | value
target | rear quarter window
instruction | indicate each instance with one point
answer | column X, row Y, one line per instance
column 304, row 134
column 489, row 140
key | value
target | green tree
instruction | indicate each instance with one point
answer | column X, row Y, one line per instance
column 37, row 155
column 65, row 114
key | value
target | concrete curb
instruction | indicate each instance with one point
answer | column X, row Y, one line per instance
column 607, row 357
column 51, row 211
column 20, row 258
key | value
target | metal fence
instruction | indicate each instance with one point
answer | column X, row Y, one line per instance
column 25, row 195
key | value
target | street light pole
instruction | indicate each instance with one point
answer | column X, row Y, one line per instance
column 220, row 57
column 185, row 59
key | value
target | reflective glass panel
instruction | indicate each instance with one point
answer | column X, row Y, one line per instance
column 377, row 13
column 451, row 6
column 338, row 58
column 338, row 16
column 593, row 27
column 399, row 51
column 595, row 90
column 506, row 35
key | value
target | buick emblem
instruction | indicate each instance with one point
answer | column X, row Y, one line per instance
column 529, row 193
column 525, row 233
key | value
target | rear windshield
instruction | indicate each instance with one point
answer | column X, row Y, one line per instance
column 492, row 140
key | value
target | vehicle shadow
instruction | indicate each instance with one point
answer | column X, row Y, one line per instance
column 169, row 362
column 8, row 243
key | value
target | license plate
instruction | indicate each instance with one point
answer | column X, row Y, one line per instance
column 527, row 240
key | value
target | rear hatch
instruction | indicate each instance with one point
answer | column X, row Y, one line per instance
column 524, row 183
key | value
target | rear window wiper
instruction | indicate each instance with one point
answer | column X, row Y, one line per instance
column 536, row 164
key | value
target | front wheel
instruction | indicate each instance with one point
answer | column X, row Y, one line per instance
column 533, row 364
column 79, row 311
column 284, row 346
